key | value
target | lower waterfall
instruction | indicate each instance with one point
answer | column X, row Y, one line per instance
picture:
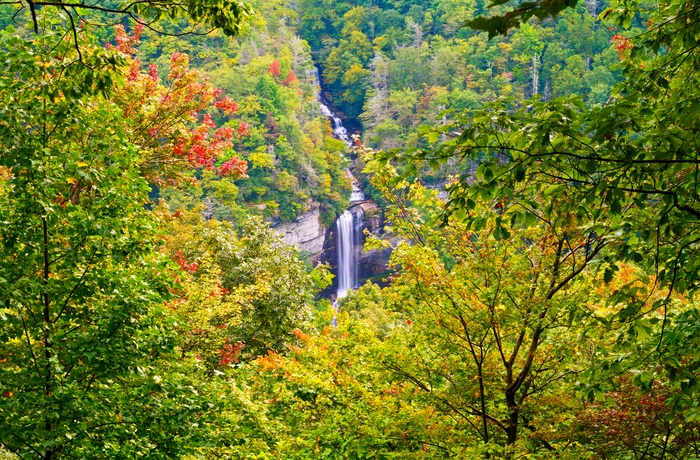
column 349, row 239
column 346, row 254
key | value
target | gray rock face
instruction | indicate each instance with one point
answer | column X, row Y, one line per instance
column 372, row 215
column 371, row 263
column 306, row 232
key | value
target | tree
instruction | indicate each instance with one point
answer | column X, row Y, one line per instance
column 88, row 362
column 329, row 397
column 515, row 310
column 170, row 124
column 493, row 310
column 628, row 167
column 268, row 291
column 344, row 70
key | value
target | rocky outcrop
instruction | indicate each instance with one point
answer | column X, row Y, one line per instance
column 306, row 232
column 372, row 215
column 371, row 263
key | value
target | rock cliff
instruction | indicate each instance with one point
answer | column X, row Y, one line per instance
column 372, row 263
column 306, row 232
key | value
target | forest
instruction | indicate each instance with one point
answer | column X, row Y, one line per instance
column 526, row 174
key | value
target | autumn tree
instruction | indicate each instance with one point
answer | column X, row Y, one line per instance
column 259, row 289
column 493, row 309
column 328, row 397
column 627, row 166
column 172, row 124
column 88, row 362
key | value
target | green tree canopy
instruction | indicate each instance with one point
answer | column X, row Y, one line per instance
column 89, row 363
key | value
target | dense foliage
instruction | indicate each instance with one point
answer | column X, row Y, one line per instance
column 99, row 357
column 541, row 305
column 294, row 163
column 398, row 65
column 82, row 290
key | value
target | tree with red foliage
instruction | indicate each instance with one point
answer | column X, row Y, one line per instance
column 629, row 420
column 275, row 68
column 291, row 78
column 171, row 123
column 88, row 354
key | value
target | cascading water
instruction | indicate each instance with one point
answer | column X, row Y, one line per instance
column 339, row 130
column 349, row 225
column 357, row 193
column 346, row 254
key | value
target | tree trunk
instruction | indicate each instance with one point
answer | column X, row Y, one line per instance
column 513, row 413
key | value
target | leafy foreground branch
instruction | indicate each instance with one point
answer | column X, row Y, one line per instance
column 625, row 173
column 227, row 15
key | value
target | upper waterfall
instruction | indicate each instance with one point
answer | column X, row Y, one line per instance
column 339, row 130
column 357, row 193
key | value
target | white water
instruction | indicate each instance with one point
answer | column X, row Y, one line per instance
column 349, row 226
column 326, row 112
column 313, row 75
column 338, row 130
column 357, row 194
column 347, row 267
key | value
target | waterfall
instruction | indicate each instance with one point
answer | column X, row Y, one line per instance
column 358, row 226
column 349, row 225
column 346, row 254
column 357, row 194
column 312, row 74
column 349, row 228
column 339, row 130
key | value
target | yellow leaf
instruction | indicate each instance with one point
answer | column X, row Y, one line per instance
column 82, row 164
column 71, row 180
